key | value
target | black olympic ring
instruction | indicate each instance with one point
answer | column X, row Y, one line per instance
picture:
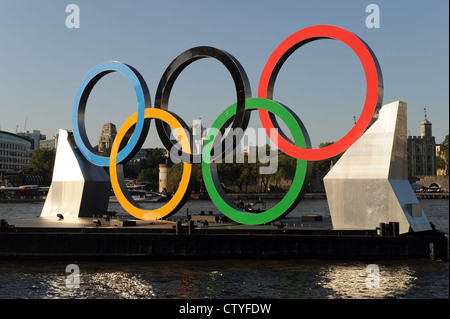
column 243, row 91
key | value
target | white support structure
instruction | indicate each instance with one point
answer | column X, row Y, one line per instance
column 369, row 184
column 79, row 188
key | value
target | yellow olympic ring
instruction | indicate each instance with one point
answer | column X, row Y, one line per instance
column 116, row 171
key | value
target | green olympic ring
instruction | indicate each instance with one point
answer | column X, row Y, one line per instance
column 215, row 191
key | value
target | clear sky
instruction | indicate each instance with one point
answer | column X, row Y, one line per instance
column 42, row 62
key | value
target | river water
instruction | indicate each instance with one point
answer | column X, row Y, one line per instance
column 231, row 279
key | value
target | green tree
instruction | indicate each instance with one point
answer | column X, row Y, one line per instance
column 276, row 177
column 150, row 167
column 42, row 162
column 442, row 159
column 264, row 178
column 249, row 174
column 243, row 174
column 325, row 165
column 231, row 172
column 155, row 157
column 174, row 175
column 148, row 176
column 287, row 165
column 286, row 169
column 107, row 152
column 176, row 172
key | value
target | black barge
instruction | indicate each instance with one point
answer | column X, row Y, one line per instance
column 101, row 238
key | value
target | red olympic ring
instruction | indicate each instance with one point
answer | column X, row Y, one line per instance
column 374, row 88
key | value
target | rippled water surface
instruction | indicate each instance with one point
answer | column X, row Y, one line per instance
column 316, row 279
column 225, row 279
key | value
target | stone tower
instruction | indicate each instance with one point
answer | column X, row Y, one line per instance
column 422, row 151
column 107, row 136
column 425, row 127
column 164, row 170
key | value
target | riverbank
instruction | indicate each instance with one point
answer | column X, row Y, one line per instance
column 235, row 197
column 273, row 196
column 432, row 195
column 258, row 196
column 40, row 199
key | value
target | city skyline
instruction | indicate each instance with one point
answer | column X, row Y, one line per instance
column 43, row 62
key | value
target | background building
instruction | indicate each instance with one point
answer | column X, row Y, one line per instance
column 422, row 151
column 35, row 137
column 198, row 135
column 50, row 143
column 15, row 152
column 107, row 136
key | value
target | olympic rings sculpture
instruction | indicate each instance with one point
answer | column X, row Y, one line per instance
column 131, row 136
